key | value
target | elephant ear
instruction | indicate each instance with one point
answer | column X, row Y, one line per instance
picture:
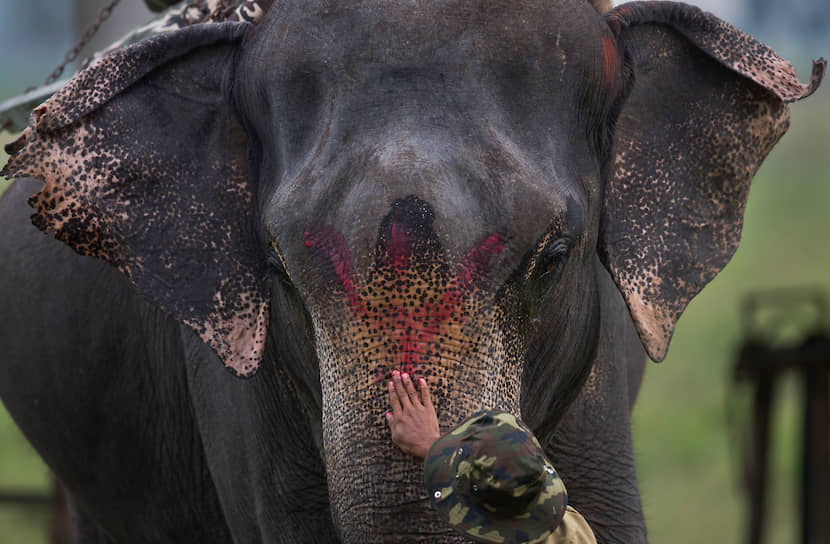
column 145, row 166
column 705, row 105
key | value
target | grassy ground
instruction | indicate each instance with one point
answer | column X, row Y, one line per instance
column 685, row 453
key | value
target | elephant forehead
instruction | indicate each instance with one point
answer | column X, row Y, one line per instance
column 514, row 52
column 406, row 30
column 474, row 107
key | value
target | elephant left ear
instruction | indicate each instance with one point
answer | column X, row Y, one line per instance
column 706, row 103
column 145, row 166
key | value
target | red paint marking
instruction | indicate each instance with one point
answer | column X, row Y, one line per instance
column 476, row 262
column 413, row 329
column 331, row 243
column 612, row 61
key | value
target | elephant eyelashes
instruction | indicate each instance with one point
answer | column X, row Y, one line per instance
column 545, row 267
column 540, row 277
column 552, row 257
column 276, row 262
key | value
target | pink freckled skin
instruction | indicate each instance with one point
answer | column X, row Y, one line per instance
column 414, row 329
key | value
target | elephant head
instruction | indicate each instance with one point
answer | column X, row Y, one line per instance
column 432, row 187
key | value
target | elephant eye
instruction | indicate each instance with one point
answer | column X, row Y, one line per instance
column 551, row 258
column 543, row 272
column 276, row 262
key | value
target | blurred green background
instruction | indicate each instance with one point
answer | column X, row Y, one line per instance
column 686, row 453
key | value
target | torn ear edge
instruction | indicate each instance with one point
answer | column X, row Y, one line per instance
column 724, row 43
column 99, row 83
column 81, row 143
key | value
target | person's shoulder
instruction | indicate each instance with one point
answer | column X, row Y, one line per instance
column 572, row 530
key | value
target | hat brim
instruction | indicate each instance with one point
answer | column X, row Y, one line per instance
column 534, row 525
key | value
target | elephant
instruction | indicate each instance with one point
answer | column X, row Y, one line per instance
column 252, row 224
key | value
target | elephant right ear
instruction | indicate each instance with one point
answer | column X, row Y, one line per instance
column 706, row 103
column 145, row 166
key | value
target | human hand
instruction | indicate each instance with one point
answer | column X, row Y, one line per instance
column 412, row 420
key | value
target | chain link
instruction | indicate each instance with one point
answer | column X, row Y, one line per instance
column 73, row 53
column 222, row 10
column 220, row 13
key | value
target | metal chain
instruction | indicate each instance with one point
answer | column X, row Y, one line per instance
column 223, row 10
column 220, row 12
column 73, row 53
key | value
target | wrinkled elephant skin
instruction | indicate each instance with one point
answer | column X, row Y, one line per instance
column 515, row 200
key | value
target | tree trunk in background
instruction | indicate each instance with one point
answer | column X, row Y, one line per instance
column 60, row 528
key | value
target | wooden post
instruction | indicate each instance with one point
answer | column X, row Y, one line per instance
column 762, row 361
column 758, row 469
column 60, row 526
column 815, row 498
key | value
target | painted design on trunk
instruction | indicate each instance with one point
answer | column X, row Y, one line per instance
column 422, row 310
column 417, row 303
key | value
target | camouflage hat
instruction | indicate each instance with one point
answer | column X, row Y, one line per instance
column 491, row 480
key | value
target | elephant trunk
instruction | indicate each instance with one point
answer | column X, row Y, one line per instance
column 377, row 492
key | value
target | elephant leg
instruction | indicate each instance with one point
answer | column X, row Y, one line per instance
column 264, row 460
column 592, row 447
column 94, row 376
